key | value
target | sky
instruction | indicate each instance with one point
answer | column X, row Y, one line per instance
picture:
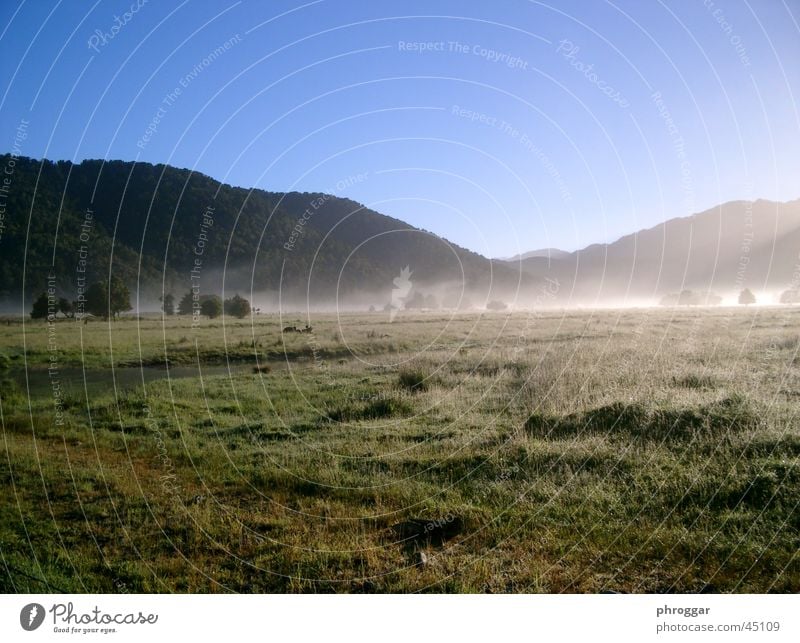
column 504, row 127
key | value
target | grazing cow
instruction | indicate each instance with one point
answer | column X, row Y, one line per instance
column 307, row 329
column 291, row 329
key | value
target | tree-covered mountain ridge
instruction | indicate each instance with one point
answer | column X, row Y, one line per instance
column 162, row 228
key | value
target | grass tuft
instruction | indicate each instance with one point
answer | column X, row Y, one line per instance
column 379, row 409
column 694, row 382
column 732, row 414
column 413, row 380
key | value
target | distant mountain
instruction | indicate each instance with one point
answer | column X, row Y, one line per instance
column 740, row 244
column 552, row 253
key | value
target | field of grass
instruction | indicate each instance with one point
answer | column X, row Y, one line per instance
column 562, row 451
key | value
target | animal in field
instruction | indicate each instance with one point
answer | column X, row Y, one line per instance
column 291, row 329
column 307, row 329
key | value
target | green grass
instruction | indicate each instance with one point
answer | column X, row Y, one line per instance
column 557, row 452
column 413, row 380
column 714, row 421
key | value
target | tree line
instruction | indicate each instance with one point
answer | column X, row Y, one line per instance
column 745, row 298
column 210, row 306
column 105, row 299
column 108, row 299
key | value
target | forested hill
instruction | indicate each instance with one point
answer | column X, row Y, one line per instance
column 164, row 229
column 152, row 223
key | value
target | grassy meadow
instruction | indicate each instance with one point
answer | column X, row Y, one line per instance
column 650, row 450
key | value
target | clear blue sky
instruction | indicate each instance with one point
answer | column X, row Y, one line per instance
column 594, row 119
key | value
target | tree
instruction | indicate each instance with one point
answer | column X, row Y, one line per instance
column 65, row 307
column 168, row 304
column 431, row 302
column 185, row 305
column 97, row 299
column 211, row 306
column 237, row 306
column 496, row 304
column 790, row 296
column 39, row 310
column 746, row 297
column 120, row 297
column 108, row 300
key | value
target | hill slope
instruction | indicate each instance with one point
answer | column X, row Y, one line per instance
column 733, row 246
column 148, row 222
column 165, row 229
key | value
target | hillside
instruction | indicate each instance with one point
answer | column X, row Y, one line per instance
column 148, row 223
column 733, row 246
column 162, row 228
column 552, row 253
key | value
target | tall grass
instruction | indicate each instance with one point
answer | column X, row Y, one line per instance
column 586, row 451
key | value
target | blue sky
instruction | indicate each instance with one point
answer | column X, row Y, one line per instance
column 503, row 126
